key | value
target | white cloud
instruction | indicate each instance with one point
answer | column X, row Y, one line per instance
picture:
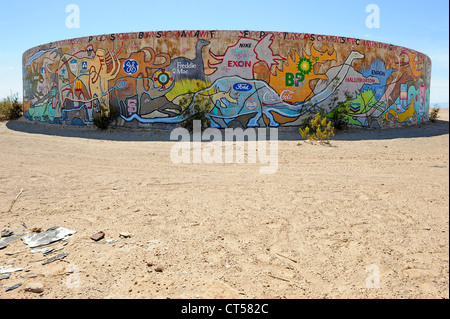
column 440, row 60
column 439, row 90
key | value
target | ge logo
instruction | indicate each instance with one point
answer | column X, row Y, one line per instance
column 130, row 67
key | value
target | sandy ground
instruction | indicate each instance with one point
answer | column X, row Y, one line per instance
column 325, row 225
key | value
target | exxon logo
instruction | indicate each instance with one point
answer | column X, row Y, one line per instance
column 242, row 87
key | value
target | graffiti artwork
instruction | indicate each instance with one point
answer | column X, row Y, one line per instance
column 241, row 78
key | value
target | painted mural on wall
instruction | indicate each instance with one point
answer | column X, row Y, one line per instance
column 241, row 78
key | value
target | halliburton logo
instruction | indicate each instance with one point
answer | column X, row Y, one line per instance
column 242, row 87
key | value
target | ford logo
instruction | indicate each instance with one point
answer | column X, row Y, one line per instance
column 242, row 87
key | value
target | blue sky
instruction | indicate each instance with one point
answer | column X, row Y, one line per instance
column 419, row 25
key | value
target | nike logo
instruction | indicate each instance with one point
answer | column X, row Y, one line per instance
column 243, row 47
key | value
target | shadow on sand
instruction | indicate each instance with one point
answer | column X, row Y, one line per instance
column 428, row 129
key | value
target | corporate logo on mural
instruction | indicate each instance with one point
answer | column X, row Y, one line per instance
column 270, row 97
column 242, row 87
column 73, row 65
column 286, row 95
column 243, row 47
column 304, row 67
column 131, row 66
column 163, row 78
column 292, row 79
column 251, row 105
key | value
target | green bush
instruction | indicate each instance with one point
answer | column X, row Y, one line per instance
column 339, row 116
column 434, row 114
column 199, row 111
column 319, row 129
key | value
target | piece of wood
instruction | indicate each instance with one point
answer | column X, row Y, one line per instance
column 14, row 201
column 295, row 261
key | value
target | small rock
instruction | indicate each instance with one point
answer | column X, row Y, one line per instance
column 35, row 287
column 29, row 275
column 159, row 269
column 98, row 236
column 149, row 270
column 125, row 235
column 427, row 228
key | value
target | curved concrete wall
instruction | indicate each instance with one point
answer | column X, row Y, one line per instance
column 241, row 78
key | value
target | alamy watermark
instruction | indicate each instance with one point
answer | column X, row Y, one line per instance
column 226, row 147
column 373, row 276
column 73, row 19
column 73, row 277
column 373, row 19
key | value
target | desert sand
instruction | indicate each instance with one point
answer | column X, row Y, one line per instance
column 364, row 217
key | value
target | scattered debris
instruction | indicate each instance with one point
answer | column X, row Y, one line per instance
column 37, row 230
column 6, row 233
column 35, row 287
column 15, row 253
column 14, row 201
column 55, row 258
column 24, row 225
column 4, row 242
column 295, row 261
column 51, row 235
column 13, row 286
column 5, row 276
column 9, row 270
column 44, row 251
column 125, row 235
column 98, row 236
column 279, row 278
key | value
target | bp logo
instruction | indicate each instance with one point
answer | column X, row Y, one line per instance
column 131, row 66
column 304, row 66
